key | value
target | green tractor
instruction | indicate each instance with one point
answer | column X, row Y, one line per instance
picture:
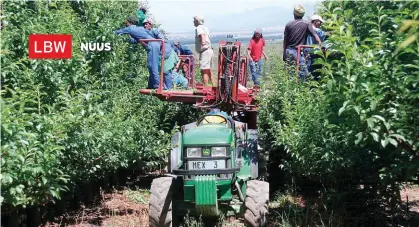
column 214, row 167
column 214, row 161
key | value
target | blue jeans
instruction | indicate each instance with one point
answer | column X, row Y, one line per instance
column 291, row 61
column 168, row 80
column 153, row 53
column 256, row 70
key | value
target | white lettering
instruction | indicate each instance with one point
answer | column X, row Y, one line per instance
column 47, row 45
column 95, row 46
column 107, row 46
column 59, row 46
column 92, row 46
column 100, row 46
column 37, row 51
column 84, row 47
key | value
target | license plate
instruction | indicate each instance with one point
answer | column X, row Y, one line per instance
column 216, row 164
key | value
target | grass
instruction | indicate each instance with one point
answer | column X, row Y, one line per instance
column 138, row 196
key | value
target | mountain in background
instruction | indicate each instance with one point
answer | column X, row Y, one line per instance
column 266, row 17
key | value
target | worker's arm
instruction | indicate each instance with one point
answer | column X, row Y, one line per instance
column 177, row 65
column 249, row 50
column 248, row 54
column 126, row 30
column 264, row 54
column 157, row 34
column 203, row 39
column 284, row 42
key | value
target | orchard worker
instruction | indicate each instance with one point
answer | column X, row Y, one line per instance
column 153, row 48
column 296, row 33
column 141, row 14
column 170, row 57
column 204, row 49
column 181, row 49
column 316, row 22
column 255, row 52
column 184, row 50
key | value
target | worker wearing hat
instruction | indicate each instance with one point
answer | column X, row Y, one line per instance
column 141, row 14
column 153, row 48
column 204, row 49
column 296, row 33
column 184, row 50
column 255, row 52
column 170, row 56
column 316, row 22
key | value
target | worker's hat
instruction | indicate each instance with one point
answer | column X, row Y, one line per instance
column 148, row 20
column 132, row 19
column 299, row 10
column 317, row 17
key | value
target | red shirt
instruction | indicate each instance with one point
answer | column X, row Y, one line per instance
column 256, row 48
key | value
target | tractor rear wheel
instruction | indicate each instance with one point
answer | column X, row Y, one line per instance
column 256, row 203
column 160, row 208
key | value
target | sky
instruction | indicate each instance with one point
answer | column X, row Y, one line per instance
column 176, row 15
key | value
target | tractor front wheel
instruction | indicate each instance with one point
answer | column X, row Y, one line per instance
column 160, row 209
column 256, row 203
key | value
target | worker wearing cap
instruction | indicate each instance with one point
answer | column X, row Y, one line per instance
column 141, row 14
column 170, row 56
column 296, row 33
column 153, row 48
column 204, row 49
column 316, row 22
column 184, row 50
column 255, row 52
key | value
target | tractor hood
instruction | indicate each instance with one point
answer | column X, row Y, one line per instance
column 211, row 134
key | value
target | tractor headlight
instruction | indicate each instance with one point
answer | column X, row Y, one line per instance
column 193, row 152
column 218, row 151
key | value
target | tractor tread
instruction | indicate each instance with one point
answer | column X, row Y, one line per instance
column 160, row 206
column 256, row 203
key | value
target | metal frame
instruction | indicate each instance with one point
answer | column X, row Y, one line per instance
column 191, row 76
column 233, row 97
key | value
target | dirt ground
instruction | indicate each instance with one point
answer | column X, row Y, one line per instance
column 129, row 208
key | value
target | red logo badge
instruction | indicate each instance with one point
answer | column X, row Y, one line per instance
column 51, row 46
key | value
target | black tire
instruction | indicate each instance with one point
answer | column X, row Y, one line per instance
column 160, row 207
column 256, row 203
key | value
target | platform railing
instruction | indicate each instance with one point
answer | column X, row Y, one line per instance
column 191, row 76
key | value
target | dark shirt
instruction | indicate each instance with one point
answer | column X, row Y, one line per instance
column 296, row 32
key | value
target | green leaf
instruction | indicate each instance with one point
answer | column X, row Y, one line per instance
column 379, row 118
column 375, row 136
column 397, row 136
column 384, row 142
column 357, row 109
column 392, row 141
column 44, row 180
column 373, row 105
column 370, row 122
column 359, row 138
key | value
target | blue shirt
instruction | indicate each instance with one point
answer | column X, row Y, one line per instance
column 135, row 32
column 320, row 33
column 182, row 50
column 156, row 34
